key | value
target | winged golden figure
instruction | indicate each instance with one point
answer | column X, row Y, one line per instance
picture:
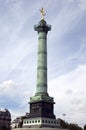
column 42, row 11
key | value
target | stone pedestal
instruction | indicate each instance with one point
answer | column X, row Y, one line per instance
column 41, row 109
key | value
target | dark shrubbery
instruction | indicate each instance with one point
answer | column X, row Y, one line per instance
column 70, row 126
column 4, row 128
column 84, row 127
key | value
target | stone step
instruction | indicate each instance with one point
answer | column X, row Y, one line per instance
column 38, row 129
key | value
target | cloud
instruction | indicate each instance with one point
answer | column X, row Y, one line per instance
column 76, row 101
column 79, row 107
column 7, row 86
column 82, row 4
column 69, row 93
column 14, row 95
column 69, row 15
column 67, row 40
column 15, row 41
column 16, row 113
column 79, row 3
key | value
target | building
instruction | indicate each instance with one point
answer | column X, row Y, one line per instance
column 17, row 123
column 5, row 119
column 41, row 104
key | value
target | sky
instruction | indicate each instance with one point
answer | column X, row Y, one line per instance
column 66, row 56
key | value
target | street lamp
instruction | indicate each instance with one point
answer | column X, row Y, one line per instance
column 64, row 116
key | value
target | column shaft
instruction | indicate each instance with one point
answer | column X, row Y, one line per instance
column 41, row 87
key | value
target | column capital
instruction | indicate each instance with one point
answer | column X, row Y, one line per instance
column 42, row 26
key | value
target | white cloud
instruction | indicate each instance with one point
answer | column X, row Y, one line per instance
column 75, row 83
column 16, row 113
column 15, row 97
column 82, row 4
column 16, row 92
column 65, row 21
column 79, row 3
column 80, row 107
column 6, row 87
column 69, row 91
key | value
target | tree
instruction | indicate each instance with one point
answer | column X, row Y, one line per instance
column 74, row 127
column 70, row 126
column 62, row 123
column 84, row 127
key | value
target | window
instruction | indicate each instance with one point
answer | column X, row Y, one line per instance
column 32, row 121
column 48, row 121
column 38, row 120
column 52, row 122
column 42, row 121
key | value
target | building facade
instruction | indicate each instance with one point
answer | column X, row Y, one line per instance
column 17, row 123
column 5, row 120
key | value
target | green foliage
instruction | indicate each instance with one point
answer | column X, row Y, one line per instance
column 84, row 127
column 70, row 126
column 4, row 128
column 74, row 127
column 63, row 124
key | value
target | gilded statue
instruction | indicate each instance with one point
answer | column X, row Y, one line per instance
column 42, row 11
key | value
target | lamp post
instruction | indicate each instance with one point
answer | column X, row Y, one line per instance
column 64, row 116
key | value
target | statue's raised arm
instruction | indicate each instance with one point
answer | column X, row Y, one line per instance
column 42, row 11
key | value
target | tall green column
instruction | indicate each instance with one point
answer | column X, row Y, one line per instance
column 41, row 104
column 42, row 28
column 41, row 86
